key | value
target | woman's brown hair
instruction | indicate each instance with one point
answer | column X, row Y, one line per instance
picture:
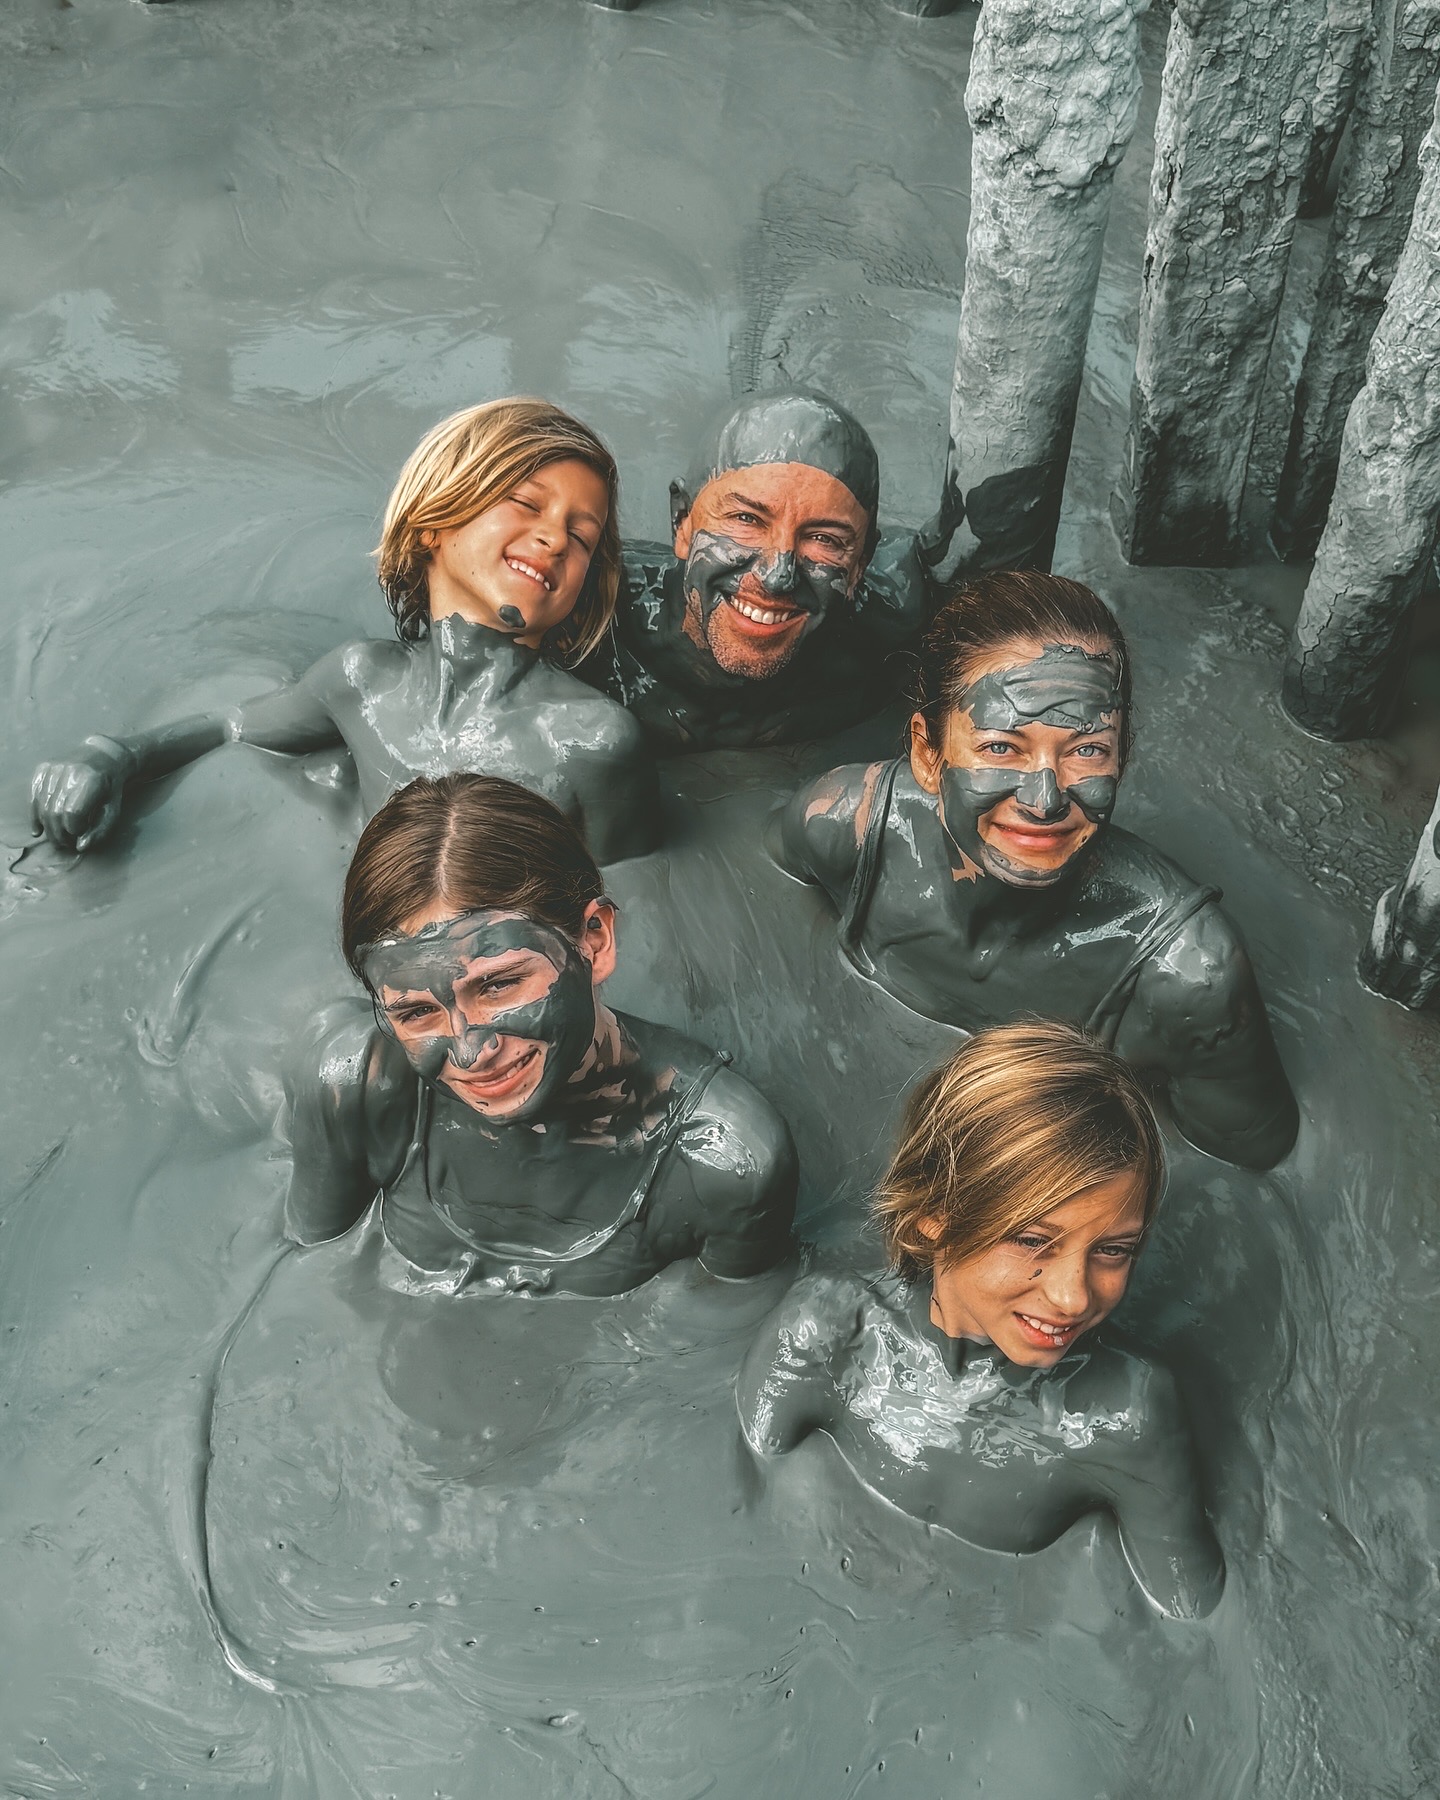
column 465, row 842
column 470, row 462
column 1021, row 1119
column 998, row 608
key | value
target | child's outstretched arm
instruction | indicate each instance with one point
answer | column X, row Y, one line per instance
column 77, row 802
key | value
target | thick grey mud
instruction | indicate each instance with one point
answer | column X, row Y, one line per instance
column 511, row 1546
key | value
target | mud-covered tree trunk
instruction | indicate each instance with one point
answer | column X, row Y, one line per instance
column 1232, row 141
column 1402, row 959
column 1342, row 60
column 1341, row 678
column 1372, row 214
column 1052, row 97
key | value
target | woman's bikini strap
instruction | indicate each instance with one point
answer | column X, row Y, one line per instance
column 867, row 869
column 677, row 1119
column 1105, row 1016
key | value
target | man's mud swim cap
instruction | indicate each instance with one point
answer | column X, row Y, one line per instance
column 795, row 427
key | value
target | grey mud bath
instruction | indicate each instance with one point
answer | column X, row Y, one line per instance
column 257, row 251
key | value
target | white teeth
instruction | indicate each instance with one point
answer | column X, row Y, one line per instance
column 527, row 569
column 759, row 614
column 1052, row 1331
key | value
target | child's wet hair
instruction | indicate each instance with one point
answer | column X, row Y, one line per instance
column 1021, row 1119
column 470, row 462
column 465, row 843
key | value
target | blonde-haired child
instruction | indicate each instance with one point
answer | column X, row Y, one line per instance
column 971, row 1385
column 500, row 559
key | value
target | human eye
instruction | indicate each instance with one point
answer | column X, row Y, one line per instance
column 997, row 747
column 1090, row 750
column 741, row 517
column 1117, row 1252
column 829, row 540
column 414, row 1014
column 584, row 543
column 1030, row 1240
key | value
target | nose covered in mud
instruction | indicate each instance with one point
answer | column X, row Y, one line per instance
column 718, row 568
column 497, row 1008
column 1067, row 687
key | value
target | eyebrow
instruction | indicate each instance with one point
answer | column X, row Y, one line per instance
column 599, row 524
column 738, row 499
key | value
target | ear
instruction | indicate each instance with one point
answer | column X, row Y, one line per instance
column 597, row 939
column 929, row 1226
column 680, row 518
column 926, row 762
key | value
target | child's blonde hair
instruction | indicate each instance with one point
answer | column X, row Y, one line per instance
column 1021, row 1119
column 470, row 462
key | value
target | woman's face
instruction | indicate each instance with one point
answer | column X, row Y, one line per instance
column 495, row 1007
column 1034, row 1294
column 519, row 566
column 1029, row 763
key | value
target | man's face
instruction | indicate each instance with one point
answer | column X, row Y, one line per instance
column 768, row 551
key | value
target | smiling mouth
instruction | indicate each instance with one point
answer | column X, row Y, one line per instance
column 529, row 571
column 498, row 1082
column 1044, row 1335
column 763, row 620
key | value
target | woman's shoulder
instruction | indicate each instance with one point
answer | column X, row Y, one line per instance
column 725, row 1110
column 1123, row 859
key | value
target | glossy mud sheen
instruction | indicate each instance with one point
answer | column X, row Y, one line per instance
column 512, row 1547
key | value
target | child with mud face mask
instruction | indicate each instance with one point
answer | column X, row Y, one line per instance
column 980, row 878
column 970, row 1386
column 500, row 561
column 519, row 1134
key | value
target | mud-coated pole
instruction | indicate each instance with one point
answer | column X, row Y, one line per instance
column 1232, row 142
column 1342, row 674
column 1052, row 97
column 1376, row 195
column 1402, row 959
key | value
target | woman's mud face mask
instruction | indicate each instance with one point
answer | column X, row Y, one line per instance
column 1024, row 801
column 769, row 550
column 495, row 1007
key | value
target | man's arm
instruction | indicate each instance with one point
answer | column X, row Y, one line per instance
column 76, row 803
column 1197, row 1016
column 744, row 1171
column 1154, row 1486
column 350, row 1099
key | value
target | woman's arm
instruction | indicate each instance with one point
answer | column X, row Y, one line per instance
column 787, row 1386
column 1154, row 1485
column 1197, row 1016
column 351, row 1101
column 744, row 1172
column 76, row 803
column 816, row 835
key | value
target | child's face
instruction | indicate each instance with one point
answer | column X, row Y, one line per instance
column 519, row 566
column 1034, row 1294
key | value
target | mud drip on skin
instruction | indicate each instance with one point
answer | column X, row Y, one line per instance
column 548, row 1575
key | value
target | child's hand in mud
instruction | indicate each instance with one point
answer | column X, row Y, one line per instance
column 76, row 804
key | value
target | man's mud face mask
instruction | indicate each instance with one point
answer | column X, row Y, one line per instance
column 495, row 1007
column 779, row 530
column 1072, row 690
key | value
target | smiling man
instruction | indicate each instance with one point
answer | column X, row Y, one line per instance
column 778, row 613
